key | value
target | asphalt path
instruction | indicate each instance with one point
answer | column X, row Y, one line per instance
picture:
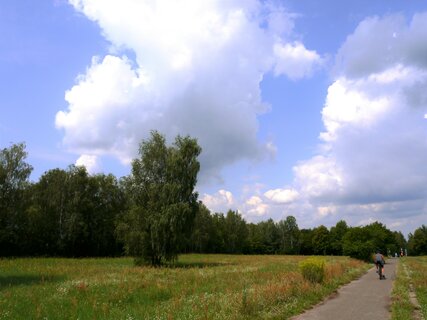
column 365, row 298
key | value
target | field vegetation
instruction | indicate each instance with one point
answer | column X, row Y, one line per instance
column 195, row 287
column 411, row 280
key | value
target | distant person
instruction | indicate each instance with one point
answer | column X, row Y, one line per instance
column 395, row 254
column 379, row 262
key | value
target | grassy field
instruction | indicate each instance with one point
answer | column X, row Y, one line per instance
column 198, row 287
column 412, row 271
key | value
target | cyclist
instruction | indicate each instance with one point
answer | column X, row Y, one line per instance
column 379, row 262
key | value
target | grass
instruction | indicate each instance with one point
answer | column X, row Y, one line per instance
column 412, row 271
column 197, row 287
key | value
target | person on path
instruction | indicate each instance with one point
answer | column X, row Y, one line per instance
column 379, row 262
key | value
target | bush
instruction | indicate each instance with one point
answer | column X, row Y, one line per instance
column 313, row 269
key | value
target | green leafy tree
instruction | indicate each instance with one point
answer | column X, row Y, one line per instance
column 74, row 214
column 270, row 236
column 358, row 243
column 306, row 242
column 417, row 243
column 320, row 240
column 256, row 243
column 14, row 181
column 202, row 231
column 236, row 232
column 399, row 242
column 217, row 236
column 48, row 211
column 382, row 238
column 108, row 204
column 336, row 234
column 163, row 201
column 289, row 235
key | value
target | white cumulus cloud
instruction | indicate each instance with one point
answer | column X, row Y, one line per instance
column 372, row 156
column 89, row 161
column 295, row 61
column 196, row 69
column 282, row 196
column 221, row 201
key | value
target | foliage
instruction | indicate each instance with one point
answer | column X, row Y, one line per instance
column 321, row 240
column 417, row 243
column 358, row 244
column 313, row 269
column 154, row 214
column 14, row 175
column 336, row 235
column 163, row 203
column 289, row 235
column 74, row 214
column 306, row 241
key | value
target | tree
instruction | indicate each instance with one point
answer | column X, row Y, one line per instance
column 306, row 242
column 358, row 243
column 47, row 212
column 336, row 235
column 270, row 236
column 14, row 175
column 236, row 232
column 202, row 231
column 399, row 242
column 321, row 240
column 289, row 235
column 108, row 203
column 163, row 202
column 417, row 243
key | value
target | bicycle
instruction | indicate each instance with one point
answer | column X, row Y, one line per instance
column 380, row 271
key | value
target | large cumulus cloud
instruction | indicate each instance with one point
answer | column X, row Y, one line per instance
column 196, row 69
column 371, row 160
column 373, row 153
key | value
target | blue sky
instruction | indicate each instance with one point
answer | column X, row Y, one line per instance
column 315, row 109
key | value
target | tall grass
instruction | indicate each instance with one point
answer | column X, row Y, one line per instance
column 411, row 280
column 196, row 287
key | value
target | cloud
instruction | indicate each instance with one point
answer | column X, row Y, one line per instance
column 282, row 196
column 89, row 161
column 221, row 201
column 380, row 42
column 373, row 151
column 196, row 70
column 295, row 61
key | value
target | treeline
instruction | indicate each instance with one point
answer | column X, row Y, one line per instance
column 72, row 213
column 230, row 233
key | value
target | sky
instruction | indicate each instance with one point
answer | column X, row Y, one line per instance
column 315, row 109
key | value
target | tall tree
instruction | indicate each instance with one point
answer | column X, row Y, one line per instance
column 270, row 236
column 14, row 175
column 202, row 231
column 306, row 242
column 163, row 201
column 236, row 232
column 336, row 234
column 48, row 212
column 358, row 243
column 321, row 240
column 289, row 235
column 417, row 243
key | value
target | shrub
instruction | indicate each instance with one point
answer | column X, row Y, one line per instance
column 313, row 269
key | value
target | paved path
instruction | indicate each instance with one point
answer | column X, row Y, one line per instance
column 365, row 298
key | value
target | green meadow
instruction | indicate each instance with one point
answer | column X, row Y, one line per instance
column 196, row 287
column 411, row 279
